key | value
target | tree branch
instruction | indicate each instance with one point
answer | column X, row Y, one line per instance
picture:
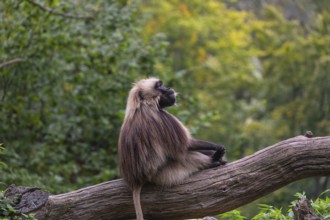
column 13, row 61
column 208, row 192
column 54, row 12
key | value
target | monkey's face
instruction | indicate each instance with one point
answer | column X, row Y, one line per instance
column 167, row 95
column 152, row 92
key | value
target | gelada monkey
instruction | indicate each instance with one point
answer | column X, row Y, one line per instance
column 154, row 146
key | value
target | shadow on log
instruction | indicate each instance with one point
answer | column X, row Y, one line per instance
column 208, row 192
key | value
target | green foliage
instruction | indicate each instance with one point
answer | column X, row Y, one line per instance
column 269, row 212
column 253, row 77
column 2, row 164
column 295, row 59
column 256, row 78
column 8, row 212
column 320, row 206
column 210, row 49
column 232, row 215
column 245, row 80
column 2, row 149
column 62, row 107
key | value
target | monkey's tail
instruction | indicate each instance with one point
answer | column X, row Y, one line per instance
column 137, row 202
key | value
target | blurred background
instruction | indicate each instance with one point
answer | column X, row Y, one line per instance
column 249, row 73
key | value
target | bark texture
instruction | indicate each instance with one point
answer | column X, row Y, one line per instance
column 208, row 192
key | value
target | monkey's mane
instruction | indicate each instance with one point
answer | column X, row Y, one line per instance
column 147, row 133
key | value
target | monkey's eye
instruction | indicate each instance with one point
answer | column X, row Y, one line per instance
column 159, row 84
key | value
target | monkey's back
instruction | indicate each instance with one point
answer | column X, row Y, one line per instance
column 148, row 140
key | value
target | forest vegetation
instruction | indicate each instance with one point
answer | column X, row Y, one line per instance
column 249, row 73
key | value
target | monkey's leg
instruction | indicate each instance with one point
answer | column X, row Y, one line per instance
column 174, row 172
column 215, row 151
column 209, row 153
column 204, row 145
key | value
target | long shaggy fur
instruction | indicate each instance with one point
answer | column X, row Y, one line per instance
column 153, row 144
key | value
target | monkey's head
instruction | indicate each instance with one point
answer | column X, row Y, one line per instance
column 150, row 92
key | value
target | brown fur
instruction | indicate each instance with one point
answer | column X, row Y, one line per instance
column 153, row 144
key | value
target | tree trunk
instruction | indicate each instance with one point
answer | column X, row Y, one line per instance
column 208, row 192
column 304, row 211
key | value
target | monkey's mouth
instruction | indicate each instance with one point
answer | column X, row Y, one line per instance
column 171, row 94
column 167, row 99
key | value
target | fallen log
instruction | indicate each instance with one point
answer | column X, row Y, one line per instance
column 208, row 192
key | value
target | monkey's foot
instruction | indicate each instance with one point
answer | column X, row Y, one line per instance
column 217, row 163
column 217, row 156
column 223, row 162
